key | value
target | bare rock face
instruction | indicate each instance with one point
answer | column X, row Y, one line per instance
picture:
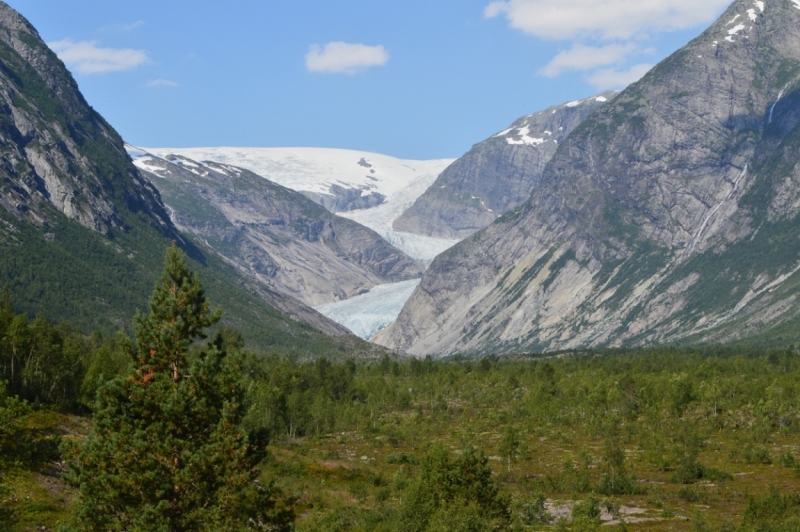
column 496, row 175
column 670, row 214
column 55, row 148
column 274, row 235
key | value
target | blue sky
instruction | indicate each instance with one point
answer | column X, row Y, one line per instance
column 416, row 79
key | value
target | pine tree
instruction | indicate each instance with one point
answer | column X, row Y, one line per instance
column 167, row 452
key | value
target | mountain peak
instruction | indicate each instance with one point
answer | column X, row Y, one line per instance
column 496, row 175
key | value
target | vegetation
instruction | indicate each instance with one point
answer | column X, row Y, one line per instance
column 97, row 283
column 166, row 451
column 654, row 439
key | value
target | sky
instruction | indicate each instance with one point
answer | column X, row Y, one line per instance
column 416, row 79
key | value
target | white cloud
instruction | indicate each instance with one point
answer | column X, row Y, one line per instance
column 133, row 26
column 606, row 19
column 161, row 83
column 581, row 58
column 605, row 35
column 342, row 57
column 87, row 58
column 615, row 79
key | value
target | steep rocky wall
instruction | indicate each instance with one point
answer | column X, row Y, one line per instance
column 496, row 175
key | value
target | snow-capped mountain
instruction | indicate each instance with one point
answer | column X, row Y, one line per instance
column 370, row 188
column 496, row 175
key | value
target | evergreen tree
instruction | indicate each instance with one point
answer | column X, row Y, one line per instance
column 167, row 452
column 456, row 495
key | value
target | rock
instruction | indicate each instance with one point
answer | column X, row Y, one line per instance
column 56, row 149
column 496, row 175
column 276, row 236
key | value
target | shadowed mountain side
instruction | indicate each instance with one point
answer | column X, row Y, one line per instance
column 55, row 148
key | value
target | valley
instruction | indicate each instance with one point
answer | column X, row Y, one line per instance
column 588, row 321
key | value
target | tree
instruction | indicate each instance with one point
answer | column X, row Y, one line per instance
column 445, row 488
column 615, row 479
column 166, row 452
column 509, row 445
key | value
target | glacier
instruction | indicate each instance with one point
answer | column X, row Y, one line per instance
column 369, row 313
column 316, row 170
column 380, row 219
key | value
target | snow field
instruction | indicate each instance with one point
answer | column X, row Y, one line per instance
column 317, row 169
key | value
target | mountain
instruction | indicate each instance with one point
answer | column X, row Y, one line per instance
column 669, row 215
column 370, row 188
column 56, row 150
column 496, row 175
column 83, row 234
column 276, row 236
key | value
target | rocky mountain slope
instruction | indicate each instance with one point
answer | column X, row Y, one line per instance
column 496, row 175
column 83, row 235
column 55, row 148
column 276, row 236
column 670, row 214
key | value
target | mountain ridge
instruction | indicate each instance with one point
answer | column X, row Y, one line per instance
column 495, row 175
column 57, row 149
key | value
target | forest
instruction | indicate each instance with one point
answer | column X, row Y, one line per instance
column 700, row 438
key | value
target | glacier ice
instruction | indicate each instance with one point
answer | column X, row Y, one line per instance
column 368, row 314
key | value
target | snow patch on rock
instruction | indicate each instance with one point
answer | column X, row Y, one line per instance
column 524, row 138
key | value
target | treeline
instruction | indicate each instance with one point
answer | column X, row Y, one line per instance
column 717, row 386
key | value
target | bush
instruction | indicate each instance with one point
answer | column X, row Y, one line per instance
column 533, row 511
column 787, row 460
column 774, row 512
column 447, row 491
column 586, row 515
column 758, row 455
column 402, row 458
column 689, row 494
